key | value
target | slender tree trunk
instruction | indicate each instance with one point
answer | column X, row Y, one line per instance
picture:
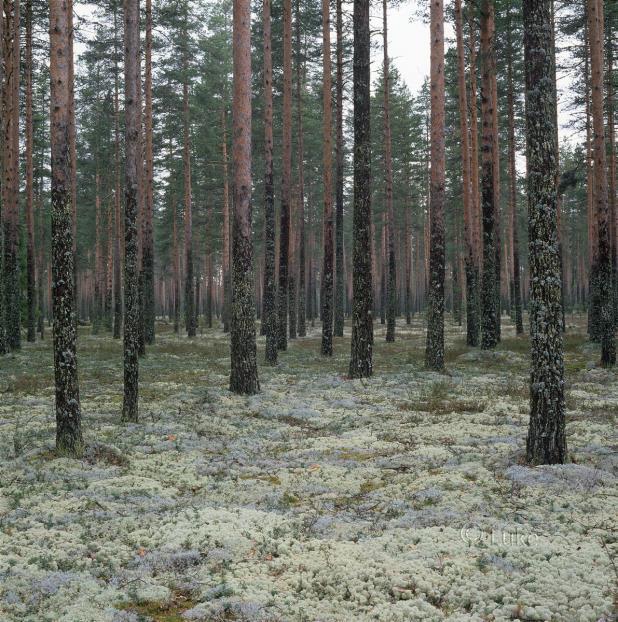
column 40, row 254
column 244, row 374
column 10, row 178
column 284, row 237
column 270, row 288
column 546, row 443
column 327, row 171
column 519, row 325
column 339, row 263
column 117, row 211
column 472, row 275
column 68, row 411
column 30, row 258
column 302, row 288
column 148, row 295
column 176, row 262
column 227, row 281
column 489, row 307
column 96, row 315
column 391, row 266
column 434, row 352
column 361, row 363
column 132, row 163
column 188, row 207
column 595, row 30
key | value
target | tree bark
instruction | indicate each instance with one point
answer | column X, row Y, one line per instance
column 68, row 410
column 30, row 258
column 489, row 306
column 270, row 288
column 244, row 374
column 117, row 211
column 327, row 172
column 132, row 162
column 361, row 363
column 595, row 30
column 546, row 443
column 434, row 352
column 225, row 262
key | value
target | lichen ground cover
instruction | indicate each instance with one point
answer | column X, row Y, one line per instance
column 403, row 497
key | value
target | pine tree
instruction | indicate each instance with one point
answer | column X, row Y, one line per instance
column 244, row 374
column 546, row 443
column 68, row 410
column 361, row 363
column 132, row 163
column 434, row 352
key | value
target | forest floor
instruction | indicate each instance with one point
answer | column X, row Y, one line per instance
column 400, row 498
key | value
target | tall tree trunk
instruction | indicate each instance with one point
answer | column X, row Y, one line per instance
column 339, row 263
column 546, row 443
column 10, row 177
column 40, row 253
column 434, row 352
column 96, row 315
column 516, row 276
column 188, row 207
column 489, row 306
column 595, row 30
column 611, row 134
column 68, row 411
column 225, row 262
column 244, row 374
column 270, row 288
column 148, row 295
column 132, row 163
column 30, row 258
column 391, row 266
column 361, row 363
column 302, row 287
column 327, row 166
column 117, row 211
column 284, row 236
column 472, row 275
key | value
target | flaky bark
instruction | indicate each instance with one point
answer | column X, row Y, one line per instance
column 595, row 30
column 434, row 351
column 244, row 374
column 472, row 275
column 270, row 288
column 361, row 363
column 327, row 166
column 546, row 443
column 10, row 176
column 489, row 302
column 68, row 410
column 132, row 162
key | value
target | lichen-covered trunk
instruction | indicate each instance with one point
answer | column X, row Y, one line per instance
column 361, row 362
column 472, row 319
column 147, row 276
column 489, row 302
column 516, row 275
column 68, row 410
column 546, row 442
column 604, row 259
column 327, row 155
column 269, row 318
column 244, row 374
column 434, row 350
column 10, row 176
column 132, row 162
column 286, row 177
